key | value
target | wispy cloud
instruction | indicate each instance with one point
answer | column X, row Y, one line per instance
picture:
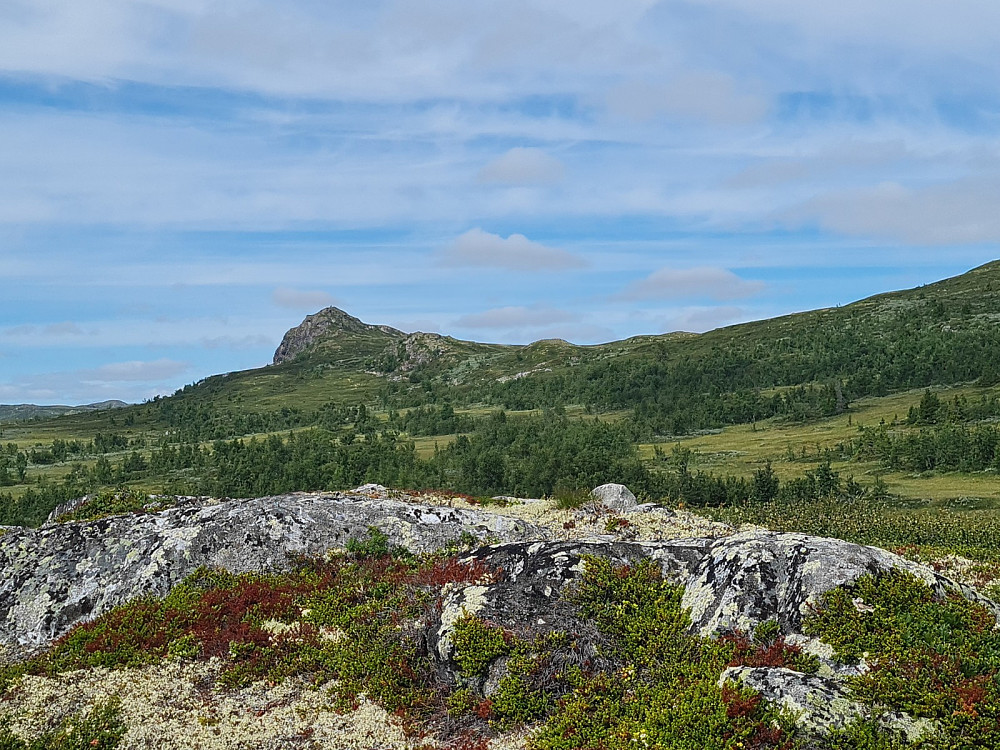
column 951, row 213
column 301, row 299
column 116, row 372
column 477, row 247
column 705, row 96
column 515, row 317
column 132, row 380
column 523, row 166
column 246, row 163
column 683, row 283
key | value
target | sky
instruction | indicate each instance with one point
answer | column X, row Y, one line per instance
column 181, row 181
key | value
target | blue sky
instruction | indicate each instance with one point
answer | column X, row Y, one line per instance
column 181, row 181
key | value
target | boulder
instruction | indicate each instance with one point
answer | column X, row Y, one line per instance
column 615, row 497
column 62, row 574
column 756, row 576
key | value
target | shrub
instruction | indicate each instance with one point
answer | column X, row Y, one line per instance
column 930, row 656
column 477, row 645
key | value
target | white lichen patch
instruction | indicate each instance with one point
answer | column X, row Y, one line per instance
column 178, row 706
column 652, row 524
column 457, row 603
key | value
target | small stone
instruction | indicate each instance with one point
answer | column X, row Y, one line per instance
column 615, row 497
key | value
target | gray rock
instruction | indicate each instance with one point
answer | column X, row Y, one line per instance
column 615, row 497
column 756, row 576
column 329, row 323
column 819, row 704
column 60, row 575
column 526, row 595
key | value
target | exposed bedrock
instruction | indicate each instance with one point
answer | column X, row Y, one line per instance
column 62, row 574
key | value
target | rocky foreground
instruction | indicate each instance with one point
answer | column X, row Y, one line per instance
column 736, row 583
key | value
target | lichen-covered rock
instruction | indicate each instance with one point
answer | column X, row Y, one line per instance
column 756, row 576
column 531, row 578
column 819, row 704
column 59, row 575
column 518, row 580
column 616, row 497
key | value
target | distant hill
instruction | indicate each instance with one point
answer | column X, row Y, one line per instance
column 18, row 412
column 937, row 334
column 800, row 366
column 347, row 402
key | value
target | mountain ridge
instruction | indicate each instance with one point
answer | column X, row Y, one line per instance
column 15, row 412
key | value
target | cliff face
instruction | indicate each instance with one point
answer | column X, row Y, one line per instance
column 513, row 595
column 328, row 324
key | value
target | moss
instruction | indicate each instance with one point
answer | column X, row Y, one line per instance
column 520, row 699
column 664, row 691
column 654, row 685
column 864, row 735
column 352, row 619
column 374, row 545
column 463, row 701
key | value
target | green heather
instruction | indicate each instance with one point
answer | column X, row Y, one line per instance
column 99, row 728
column 355, row 619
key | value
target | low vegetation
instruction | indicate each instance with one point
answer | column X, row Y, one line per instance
column 101, row 727
column 937, row 659
column 356, row 618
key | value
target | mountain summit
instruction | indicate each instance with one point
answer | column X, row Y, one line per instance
column 328, row 325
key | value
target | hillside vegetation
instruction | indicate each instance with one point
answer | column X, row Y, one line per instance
column 887, row 404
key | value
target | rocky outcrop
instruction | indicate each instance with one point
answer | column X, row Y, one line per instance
column 420, row 348
column 59, row 575
column 329, row 323
column 756, row 576
column 62, row 574
column 731, row 584
column 821, row 704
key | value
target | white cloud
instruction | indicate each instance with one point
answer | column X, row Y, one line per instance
column 957, row 212
column 160, row 369
column 706, row 96
column 680, row 283
column 523, row 166
column 515, row 317
column 701, row 319
column 300, row 299
column 479, row 248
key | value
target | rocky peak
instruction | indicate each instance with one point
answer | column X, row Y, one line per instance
column 420, row 348
column 329, row 323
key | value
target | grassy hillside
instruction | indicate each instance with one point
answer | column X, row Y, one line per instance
column 22, row 412
column 803, row 407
